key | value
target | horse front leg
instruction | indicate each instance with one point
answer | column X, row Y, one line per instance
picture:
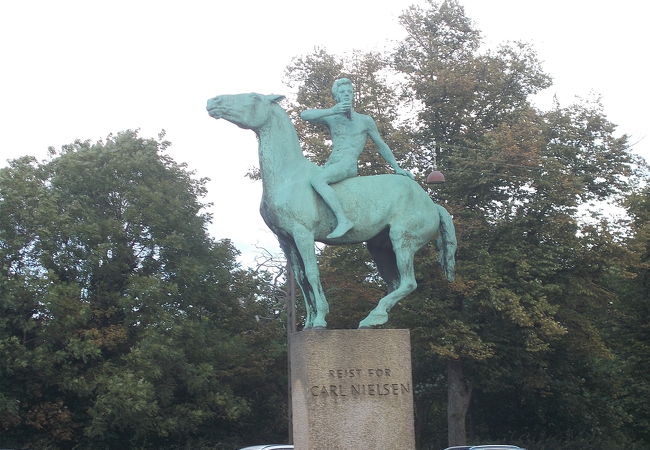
column 304, row 241
column 297, row 267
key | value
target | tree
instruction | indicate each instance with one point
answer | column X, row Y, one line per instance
column 123, row 322
column 474, row 110
column 516, row 179
column 633, row 330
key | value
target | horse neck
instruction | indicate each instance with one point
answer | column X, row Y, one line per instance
column 279, row 150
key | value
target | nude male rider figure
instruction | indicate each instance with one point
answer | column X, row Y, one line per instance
column 350, row 131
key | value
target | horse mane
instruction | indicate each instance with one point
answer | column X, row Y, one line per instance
column 280, row 151
column 281, row 125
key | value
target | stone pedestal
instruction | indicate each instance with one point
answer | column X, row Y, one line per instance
column 352, row 390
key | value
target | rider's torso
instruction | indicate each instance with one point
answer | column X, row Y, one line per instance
column 348, row 137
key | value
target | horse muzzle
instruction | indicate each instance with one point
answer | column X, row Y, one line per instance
column 215, row 108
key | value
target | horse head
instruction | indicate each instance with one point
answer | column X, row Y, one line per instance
column 249, row 111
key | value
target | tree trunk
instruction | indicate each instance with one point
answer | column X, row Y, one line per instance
column 459, row 393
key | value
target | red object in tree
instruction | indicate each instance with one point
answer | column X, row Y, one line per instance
column 436, row 177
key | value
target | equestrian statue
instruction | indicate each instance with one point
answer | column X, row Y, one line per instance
column 303, row 202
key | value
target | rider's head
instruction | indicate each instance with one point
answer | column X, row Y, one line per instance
column 338, row 85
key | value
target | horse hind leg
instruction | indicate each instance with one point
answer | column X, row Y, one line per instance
column 404, row 254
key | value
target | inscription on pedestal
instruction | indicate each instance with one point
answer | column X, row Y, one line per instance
column 352, row 389
column 346, row 387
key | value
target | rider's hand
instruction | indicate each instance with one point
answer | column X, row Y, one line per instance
column 406, row 173
column 342, row 108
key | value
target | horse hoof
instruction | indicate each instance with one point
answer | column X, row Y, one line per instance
column 374, row 320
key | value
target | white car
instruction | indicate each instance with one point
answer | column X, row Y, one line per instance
column 485, row 447
column 269, row 447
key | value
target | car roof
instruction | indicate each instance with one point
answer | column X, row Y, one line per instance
column 269, row 447
column 495, row 447
column 485, row 447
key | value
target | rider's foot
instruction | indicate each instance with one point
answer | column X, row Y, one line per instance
column 343, row 227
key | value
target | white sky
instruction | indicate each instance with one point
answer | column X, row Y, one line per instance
column 84, row 69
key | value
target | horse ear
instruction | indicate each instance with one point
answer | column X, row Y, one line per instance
column 275, row 98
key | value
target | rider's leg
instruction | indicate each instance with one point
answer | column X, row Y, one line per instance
column 321, row 185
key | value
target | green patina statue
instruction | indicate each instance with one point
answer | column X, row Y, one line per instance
column 391, row 213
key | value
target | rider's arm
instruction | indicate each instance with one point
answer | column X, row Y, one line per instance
column 384, row 149
column 318, row 115
column 315, row 115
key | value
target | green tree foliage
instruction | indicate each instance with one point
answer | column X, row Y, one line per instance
column 122, row 323
column 633, row 331
column 530, row 281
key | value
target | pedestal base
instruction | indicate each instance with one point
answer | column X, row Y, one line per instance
column 352, row 389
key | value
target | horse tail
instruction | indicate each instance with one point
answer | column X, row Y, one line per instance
column 446, row 243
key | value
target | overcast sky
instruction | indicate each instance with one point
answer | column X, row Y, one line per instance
column 84, row 69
